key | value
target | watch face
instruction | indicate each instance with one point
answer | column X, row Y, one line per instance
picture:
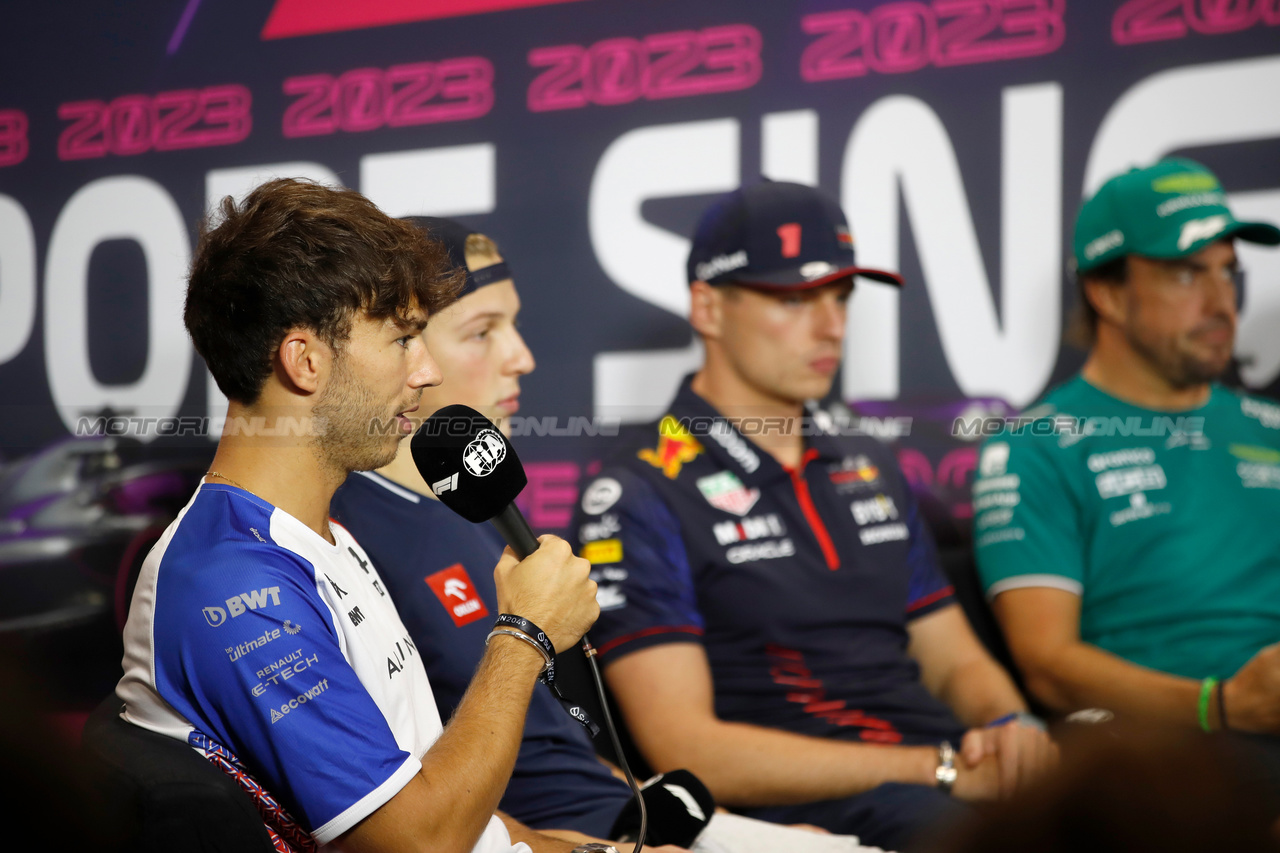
column 595, row 847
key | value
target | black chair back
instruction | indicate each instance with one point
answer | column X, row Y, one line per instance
column 163, row 794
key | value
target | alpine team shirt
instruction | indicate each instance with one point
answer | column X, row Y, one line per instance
column 438, row 568
column 1166, row 524
column 799, row 583
column 249, row 628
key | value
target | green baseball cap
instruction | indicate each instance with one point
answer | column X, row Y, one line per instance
column 1170, row 210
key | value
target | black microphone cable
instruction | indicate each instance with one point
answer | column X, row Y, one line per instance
column 590, row 651
column 472, row 468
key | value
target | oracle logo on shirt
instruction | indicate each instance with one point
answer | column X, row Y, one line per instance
column 457, row 593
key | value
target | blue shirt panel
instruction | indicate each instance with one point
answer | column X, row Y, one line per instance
column 225, row 679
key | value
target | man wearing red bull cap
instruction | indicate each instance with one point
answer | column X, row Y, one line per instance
column 1132, row 552
column 773, row 614
column 446, row 595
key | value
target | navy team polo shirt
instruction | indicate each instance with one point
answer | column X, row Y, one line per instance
column 438, row 568
column 798, row 583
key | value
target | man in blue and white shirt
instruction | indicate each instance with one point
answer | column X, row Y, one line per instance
column 260, row 628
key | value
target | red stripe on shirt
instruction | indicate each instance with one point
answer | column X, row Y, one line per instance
column 811, row 512
column 648, row 632
column 931, row 598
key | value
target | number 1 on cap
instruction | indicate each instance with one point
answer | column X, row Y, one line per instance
column 789, row 234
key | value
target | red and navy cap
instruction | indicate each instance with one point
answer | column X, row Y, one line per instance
column 776, row 235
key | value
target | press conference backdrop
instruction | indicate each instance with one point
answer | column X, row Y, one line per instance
column 585, row 136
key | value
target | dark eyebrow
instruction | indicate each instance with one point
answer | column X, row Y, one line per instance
column 413, row 324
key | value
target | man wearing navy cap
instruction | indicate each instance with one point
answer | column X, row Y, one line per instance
column 773, row 614
column 1133, row 555
column 444, row 589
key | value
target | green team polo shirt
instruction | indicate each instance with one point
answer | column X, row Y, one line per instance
column 1166, row 524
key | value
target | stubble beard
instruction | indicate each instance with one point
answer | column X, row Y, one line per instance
column 352, row 434
column 1178, row 366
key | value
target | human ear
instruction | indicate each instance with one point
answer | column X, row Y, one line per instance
column 1108, row 299
column 706, row 309
column 303, row 360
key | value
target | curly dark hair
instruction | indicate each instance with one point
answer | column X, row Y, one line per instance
column 297, row 254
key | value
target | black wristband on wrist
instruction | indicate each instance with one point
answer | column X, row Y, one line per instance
column 548, row 676
column 524, row 626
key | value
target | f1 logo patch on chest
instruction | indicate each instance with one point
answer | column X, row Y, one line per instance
column 457, row 593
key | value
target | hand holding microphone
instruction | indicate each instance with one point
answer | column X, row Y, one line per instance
column 551, row 588
column 472, row 468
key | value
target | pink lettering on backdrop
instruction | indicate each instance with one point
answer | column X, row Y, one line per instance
column 957, row 465
column 169, row 121
column 916, row 468
column 666, row 65
column 14, row 144
column 548, row 501
column 896, row 38
column 956, row 470
column 364, row 99
column 954, row 474
column 1138, row 21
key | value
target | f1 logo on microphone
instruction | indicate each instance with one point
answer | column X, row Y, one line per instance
column 454, row 588
column 448, row 484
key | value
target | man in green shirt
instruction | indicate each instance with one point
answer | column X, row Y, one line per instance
column 1128, row 527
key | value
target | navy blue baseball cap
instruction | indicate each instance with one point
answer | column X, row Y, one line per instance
column 453, row 235
column 776, row 235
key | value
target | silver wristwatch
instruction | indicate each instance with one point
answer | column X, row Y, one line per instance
column 946, row 772
column 595, row 847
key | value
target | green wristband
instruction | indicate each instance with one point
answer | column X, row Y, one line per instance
column 1206, row 692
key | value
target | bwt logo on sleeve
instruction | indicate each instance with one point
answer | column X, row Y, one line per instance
column 216, row 616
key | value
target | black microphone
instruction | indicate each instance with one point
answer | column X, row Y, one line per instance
column 679, row 807
column 471, row 467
